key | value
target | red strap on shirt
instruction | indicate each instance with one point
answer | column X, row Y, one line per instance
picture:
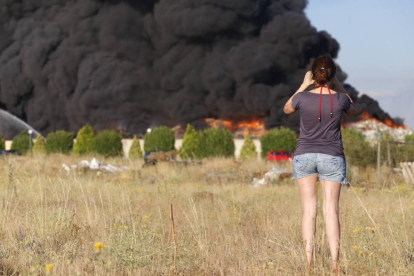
column 320, row 102
column 320, row 105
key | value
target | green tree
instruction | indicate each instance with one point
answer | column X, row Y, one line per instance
column 21, row 142
column 189, row 147
column 59, row 142
column 397, row 153
column 278, row 139
column 84, row 140
column 135, row 151
column 215, row 142
column 409, row 138
column 358, row 151
column 2, row 143
column 108, row 143
column 160, row 138
column 39, row 146
column 408, row 149
column 248, row 149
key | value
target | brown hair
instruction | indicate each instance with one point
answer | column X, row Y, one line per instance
column 323, row 70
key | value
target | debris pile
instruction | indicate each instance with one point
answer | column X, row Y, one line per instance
column 94, row 165
column 275, row 174
column 372, row 129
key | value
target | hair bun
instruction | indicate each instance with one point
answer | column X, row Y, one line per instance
column 323, row 70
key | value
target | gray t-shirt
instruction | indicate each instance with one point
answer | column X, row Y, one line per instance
column 325, row 136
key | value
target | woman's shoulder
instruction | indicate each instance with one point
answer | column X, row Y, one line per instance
column 302, row 95
column 343, row 96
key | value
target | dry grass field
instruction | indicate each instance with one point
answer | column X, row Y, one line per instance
column 89, row 223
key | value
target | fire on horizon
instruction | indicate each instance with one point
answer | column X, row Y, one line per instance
column 66, row 63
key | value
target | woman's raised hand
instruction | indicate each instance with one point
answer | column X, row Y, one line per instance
column 308, row 79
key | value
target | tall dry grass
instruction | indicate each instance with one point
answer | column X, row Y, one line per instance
column 223, row 225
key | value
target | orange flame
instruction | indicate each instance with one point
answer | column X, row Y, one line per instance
column 255, row 127
column 365, row 116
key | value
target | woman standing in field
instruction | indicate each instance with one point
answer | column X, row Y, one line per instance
column 319, row 152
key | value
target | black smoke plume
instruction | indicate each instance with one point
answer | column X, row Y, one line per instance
column 137, row 64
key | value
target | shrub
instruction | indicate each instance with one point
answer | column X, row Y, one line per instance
column 215, row 142
column 135, row 151
column 278, row 139
column 358, row 151
column 2, row 143
column 39, row 146
column 59, row 142
column 108, row 143
column 409, row 138
column 398, row 153
column 248, row 149
column 84, row 140
column 189, row 146
column 160, row 138
column 408, row 149
column 21, row 142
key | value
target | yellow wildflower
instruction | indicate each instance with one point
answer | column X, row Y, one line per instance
column 98, row 247
column 120, row 228
column 125, row 227
column 371, row 229
column 356, row 230
column 361, row 253
column 146, row 217
column 48, row 267
column 355, row 248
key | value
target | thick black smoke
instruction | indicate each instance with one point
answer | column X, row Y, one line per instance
column 135, row 64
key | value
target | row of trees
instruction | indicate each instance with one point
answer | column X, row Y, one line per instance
column 210, row 142
column 213, row 142
column 106, row 143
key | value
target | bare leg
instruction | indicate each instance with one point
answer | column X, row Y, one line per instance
column 308, row 194
column 331, row 192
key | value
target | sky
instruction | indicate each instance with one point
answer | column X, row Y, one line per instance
column 377, row 48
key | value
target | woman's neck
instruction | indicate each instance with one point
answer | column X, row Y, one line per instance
column 317, row 89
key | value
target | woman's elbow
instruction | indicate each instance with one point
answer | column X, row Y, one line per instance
column 288, row 110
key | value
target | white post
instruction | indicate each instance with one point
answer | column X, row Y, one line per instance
column 30, row 140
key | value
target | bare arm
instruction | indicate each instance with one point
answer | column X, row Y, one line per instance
column 288, row 109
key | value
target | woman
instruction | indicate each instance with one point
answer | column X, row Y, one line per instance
column 319, row 152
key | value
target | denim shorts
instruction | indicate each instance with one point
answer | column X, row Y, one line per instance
column 327, row 167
